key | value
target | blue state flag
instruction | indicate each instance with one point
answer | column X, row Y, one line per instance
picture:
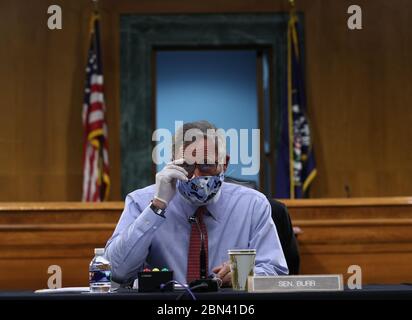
column 295, row 164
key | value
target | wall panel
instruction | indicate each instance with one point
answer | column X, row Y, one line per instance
column 358, row 85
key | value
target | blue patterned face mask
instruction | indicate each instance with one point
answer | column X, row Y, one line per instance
column 200, row 190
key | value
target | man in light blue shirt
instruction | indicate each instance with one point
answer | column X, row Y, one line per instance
column 154, row 229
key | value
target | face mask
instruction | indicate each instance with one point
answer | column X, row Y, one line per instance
column 200, row 190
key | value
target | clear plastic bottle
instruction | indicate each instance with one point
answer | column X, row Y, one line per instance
column 100, row 272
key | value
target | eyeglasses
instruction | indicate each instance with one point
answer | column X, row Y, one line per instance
column 207, row 168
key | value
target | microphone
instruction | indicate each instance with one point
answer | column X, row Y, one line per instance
column 347, row 191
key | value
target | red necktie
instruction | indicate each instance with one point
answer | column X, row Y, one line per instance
column 193, row 259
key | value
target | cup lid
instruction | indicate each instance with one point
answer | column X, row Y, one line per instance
column 99, row 251
column 241, row 251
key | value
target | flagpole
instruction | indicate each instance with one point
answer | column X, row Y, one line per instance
column 290, row 117
column 289, row 104
column 292, row 9
column 94, row 16
column 96, row 6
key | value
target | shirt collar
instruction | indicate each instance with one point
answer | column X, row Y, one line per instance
column 189, row 208
column 213, row 206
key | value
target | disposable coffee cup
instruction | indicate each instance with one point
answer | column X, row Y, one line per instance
column 242, row 263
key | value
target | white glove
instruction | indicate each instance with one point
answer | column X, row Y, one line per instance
column 166, row 182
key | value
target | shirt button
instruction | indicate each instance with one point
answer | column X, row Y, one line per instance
column 147, row 221
column 154, row 227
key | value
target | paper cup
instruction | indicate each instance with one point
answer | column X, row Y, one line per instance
column 242, row 263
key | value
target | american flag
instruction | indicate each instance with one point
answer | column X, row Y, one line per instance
column 96, row 180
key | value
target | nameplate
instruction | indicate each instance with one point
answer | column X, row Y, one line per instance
column 332, row 282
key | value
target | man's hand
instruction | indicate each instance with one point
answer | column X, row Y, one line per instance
column 223, row 273
column 166, row 184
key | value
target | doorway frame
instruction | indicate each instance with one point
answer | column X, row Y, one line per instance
column 142, row 35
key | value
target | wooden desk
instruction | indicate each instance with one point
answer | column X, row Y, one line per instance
column 373, row 233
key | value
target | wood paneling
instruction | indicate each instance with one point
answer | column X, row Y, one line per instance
column 41, row 80
column 375, row 234
column 35, row 236
column 358, row 92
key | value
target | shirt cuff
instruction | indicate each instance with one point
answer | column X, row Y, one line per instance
column 149, row 220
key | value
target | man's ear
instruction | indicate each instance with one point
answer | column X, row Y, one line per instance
column 227, row 163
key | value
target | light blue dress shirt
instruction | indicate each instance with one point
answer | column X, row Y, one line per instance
column 239, row 218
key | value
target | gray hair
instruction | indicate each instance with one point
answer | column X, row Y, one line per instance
column 190, row 131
